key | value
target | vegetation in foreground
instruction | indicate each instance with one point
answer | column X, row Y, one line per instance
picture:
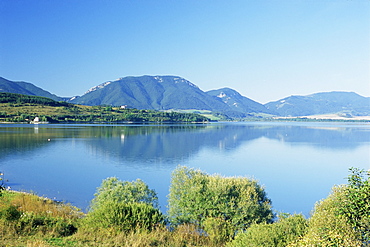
column 204, row 210
column 20, row 108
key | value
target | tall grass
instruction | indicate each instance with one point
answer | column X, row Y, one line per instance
column 27, row 217
column 29, row 220
column 183, row 235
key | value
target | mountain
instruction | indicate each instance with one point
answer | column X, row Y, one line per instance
column 237, row 102
column 173, row 92
column 345, row 103
column 26, row 88
column 151, row 92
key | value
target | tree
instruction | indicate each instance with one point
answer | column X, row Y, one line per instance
column 343, row 218
column 328, row 228
column 355, row 205
column 124, row 206
column 114, row 190
column 235, row 201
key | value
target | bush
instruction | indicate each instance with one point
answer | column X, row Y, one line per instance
column 196, row 196
column 125, row 216
column 11, row 213
column 31, row 223
column 355, row 205
column 278, row 234
column 218, row 230
column 114, row 190
column 124, row 206
column 343, row 218
column 326, row 227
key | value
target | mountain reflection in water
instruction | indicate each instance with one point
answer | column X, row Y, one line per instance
column 297, row 162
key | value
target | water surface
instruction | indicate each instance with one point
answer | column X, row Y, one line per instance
column 297, row 163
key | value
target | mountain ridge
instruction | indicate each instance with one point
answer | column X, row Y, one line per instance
column 346, row 103
column 176, row 93
column 26, row 88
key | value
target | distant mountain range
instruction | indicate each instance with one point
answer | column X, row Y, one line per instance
column 176, row 93
column 343, row 103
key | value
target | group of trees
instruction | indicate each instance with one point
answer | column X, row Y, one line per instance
column 209, row 210
column 19, row 99
column 236, row 211
column 217, row 206
column 223, row 205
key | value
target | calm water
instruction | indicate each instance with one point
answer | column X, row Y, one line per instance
column 297, row 163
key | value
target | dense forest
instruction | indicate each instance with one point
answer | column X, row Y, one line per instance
column 24, row 108
column 204, row 210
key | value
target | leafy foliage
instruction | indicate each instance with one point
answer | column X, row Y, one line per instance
column 218, row 230
column 124, row 206
column 342, row 219
column 125, row 216
column 195, row 196
column 279, row 234
column 326, row 227
column 114, row 190
column 356, row 204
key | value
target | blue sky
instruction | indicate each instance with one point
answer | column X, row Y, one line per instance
column 266, row 50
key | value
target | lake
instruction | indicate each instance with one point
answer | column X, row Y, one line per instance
column 297, row 163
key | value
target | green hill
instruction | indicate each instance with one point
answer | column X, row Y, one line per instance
column 25, row 88
column 24, row 108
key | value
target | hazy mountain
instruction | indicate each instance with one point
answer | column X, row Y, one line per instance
column 237, row 102
column 347, row 103
column 26, row 88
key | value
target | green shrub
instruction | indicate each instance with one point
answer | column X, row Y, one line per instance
column 125, row 216
column 355, row 205
column 114, row 190
column 279, row 234
column 196, row 196
column 11, row 213
column 218, row 230
column 343, row 218
column 124, row 206
column 328, row 228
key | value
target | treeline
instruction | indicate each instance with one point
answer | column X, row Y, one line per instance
column 204, row 210
column 24, row 108
column 13, row 98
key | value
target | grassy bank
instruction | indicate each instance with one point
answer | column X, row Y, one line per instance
column 29, row 220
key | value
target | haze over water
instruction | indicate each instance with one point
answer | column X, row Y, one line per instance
column 298, row 163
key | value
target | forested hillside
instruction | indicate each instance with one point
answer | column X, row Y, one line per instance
column 26, row 88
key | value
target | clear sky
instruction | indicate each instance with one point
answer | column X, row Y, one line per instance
column 266, row 50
